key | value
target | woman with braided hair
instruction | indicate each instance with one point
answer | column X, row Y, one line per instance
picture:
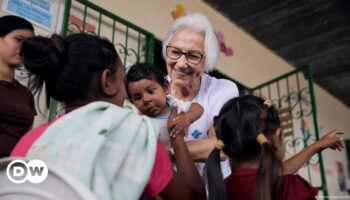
column 249, row 133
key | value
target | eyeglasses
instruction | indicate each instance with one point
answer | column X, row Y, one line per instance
column 193, row 57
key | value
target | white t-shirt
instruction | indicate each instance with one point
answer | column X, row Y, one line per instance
column 212, row 95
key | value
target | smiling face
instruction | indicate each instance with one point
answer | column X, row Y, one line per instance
column 182, row 72
column 10, row 46
column 149, row 97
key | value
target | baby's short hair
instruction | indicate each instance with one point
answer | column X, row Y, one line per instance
column 140, row 71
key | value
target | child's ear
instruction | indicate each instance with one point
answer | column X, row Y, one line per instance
column 277, row 138
column 166, row 88
column 108, row 83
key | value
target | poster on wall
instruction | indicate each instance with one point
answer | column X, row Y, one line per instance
column 43, row 13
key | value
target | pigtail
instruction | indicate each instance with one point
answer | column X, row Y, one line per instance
column 268, row 179
column 268, row 174
column 216, row 184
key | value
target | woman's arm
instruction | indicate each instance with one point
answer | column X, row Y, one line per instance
column 200, row 149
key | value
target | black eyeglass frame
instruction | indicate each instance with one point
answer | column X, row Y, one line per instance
column 187, row 54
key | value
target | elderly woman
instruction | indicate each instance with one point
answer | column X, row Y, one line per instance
column 191, row 51
column 17, row 109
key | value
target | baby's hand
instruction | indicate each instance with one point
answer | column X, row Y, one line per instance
column 332, row 140
column 174, row 126
column 181, row 123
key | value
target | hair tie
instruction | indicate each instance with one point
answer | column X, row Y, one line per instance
column 220, row 144
column 268, row 103
column 261, row 139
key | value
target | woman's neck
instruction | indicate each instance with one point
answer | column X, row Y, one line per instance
column 6, row 72
column 186, row 93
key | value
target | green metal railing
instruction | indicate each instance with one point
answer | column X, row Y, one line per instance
column 295, row 90
column 144, row 39
column 133, row 43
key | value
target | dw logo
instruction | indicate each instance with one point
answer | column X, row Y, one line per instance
column 35, row 171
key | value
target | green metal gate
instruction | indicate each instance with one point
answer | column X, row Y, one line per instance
column 294, row 93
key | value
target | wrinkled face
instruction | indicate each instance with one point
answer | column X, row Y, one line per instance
column 149, row 97
column 182, row 72
column 10, row 46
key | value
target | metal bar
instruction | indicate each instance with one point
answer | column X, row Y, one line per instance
column 138, row 48
column 113, row 31
column 289, row 105
column 99, row 24
column 84, row 20
column 150, row 51
column 66, row 14
column 279, row 94
column 314, row 117
column 288, row 92
column 279, row 78
column 300, row 97
column 126, row 45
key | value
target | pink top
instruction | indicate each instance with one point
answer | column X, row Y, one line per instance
column 161, row 173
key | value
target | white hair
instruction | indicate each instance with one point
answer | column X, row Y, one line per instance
column 197, row 22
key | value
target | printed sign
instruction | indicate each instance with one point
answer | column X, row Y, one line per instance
column 43, row 13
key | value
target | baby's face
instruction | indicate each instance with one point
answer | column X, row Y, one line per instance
column 149, row 97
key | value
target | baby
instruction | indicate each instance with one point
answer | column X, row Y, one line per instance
column 148, row 90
